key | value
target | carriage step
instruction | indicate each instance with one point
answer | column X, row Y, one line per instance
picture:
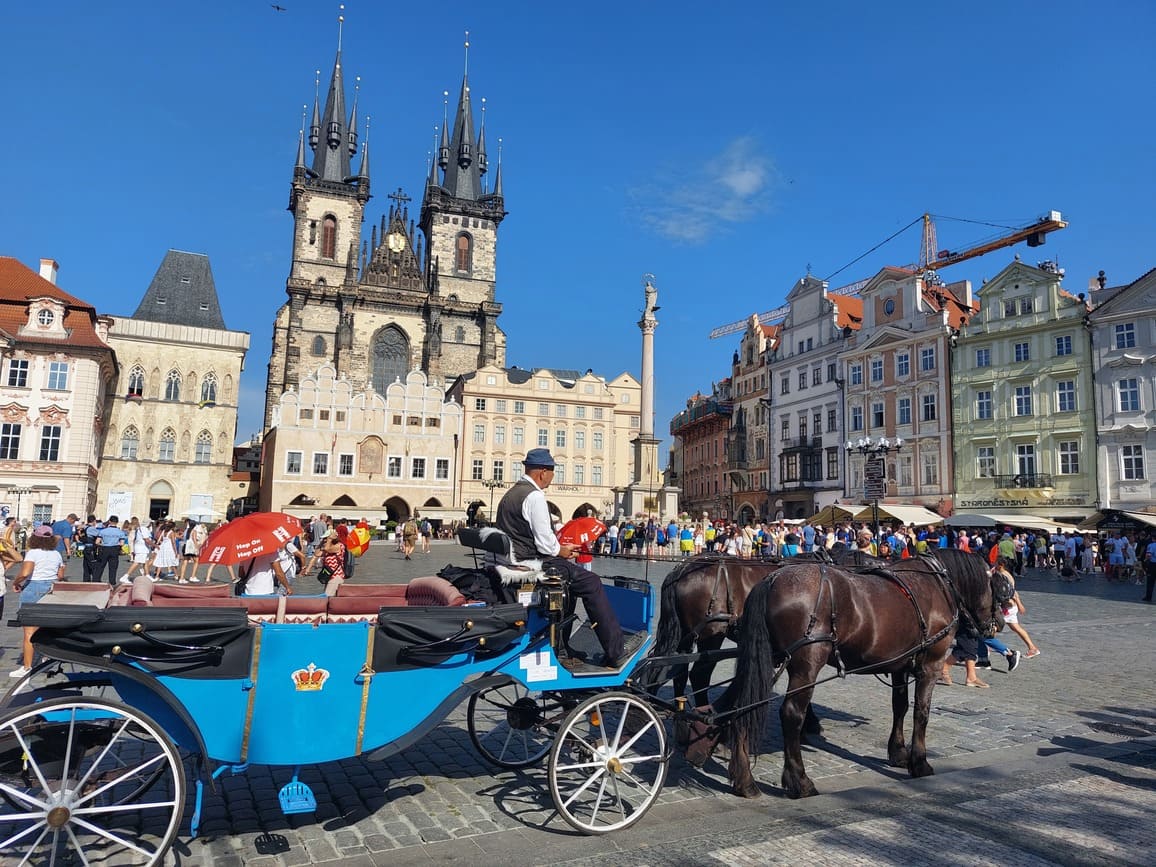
column 296, row 797
column 594, row 666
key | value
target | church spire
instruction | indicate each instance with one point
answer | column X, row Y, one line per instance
column 463, row 178
column 332, row 151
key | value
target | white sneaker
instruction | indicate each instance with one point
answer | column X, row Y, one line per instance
column 195, row 580
column 124, row 579
column 20, row 672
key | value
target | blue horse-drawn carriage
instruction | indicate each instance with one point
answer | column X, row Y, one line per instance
column 165, row 682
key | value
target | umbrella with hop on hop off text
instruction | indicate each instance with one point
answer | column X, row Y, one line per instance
column 248, row 537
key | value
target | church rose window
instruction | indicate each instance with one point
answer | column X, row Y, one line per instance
column 390, row 358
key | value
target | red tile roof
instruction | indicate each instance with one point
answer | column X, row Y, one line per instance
column 848, row 311
column 19, row 284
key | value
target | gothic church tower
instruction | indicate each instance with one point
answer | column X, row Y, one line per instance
column 376, row 308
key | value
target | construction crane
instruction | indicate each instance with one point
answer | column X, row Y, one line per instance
column 931, row 259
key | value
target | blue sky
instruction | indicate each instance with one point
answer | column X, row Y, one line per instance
column 722, row 147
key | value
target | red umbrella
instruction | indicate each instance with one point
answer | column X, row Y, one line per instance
column 581, row 531
column 249, row 537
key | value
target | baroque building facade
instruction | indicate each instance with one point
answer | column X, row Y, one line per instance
column 351, row 452
column 1123, row 334
column 407, row 297
column 806, row 390
column 747, row 451
column 700, row 434
column 1023, row 420
column 56, row 371
column 173, row 408
column 898, row 384
column 587, row 421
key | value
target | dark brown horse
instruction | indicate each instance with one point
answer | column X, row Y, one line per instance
column 899, row 620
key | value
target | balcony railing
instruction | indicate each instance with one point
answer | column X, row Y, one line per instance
column 1024, row 480
column 798, row 443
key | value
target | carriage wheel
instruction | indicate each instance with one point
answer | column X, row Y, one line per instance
column 608, row 763
column 513, row 727
column 87, row 780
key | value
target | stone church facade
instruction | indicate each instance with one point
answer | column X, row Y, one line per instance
column 409, row 296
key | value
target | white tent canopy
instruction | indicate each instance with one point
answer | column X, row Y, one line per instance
column 908, row 514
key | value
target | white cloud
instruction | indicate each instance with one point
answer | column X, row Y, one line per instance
column 691, row 205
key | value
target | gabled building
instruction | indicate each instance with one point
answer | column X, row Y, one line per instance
column 700, row 433
column 748, row 455
column 406, row 297
column 1023, row 426
column 806, row 399
column 57, row 371
column 173, row 414
column 1123, row 334
column 354, row 453
column 898, row 384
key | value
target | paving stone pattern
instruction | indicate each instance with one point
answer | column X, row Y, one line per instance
column 440, row 802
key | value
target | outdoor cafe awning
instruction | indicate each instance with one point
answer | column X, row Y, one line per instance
column 1094, row 520
column 991, row 519
column 828, row 516
column 908, row 514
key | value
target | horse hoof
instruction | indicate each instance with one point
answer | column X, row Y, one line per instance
column 805, row 789
column 921, row 769
column 750, row 790
column 899, row 760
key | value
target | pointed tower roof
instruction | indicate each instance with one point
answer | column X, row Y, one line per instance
column 182, row 292
column 463, row 179
column 331, row 161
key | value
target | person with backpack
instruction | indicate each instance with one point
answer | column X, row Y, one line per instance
column 426, row 530
column 409, row 534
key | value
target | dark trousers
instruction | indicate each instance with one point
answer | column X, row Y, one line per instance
column 111, row 562
column 588, row 587
column 92, row 562
column 1150, row 568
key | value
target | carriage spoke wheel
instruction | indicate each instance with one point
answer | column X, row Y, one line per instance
column 87, row 781
column 513, row 727
column 608, row 763
column 52, row 679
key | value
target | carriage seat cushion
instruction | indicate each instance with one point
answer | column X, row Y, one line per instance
column 78, row 593
column 432, row 590
column 362, row 602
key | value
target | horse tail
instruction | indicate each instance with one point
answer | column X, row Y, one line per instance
column 754, row 678
column 668, row 635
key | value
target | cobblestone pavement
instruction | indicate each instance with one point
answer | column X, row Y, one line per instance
column 1053, row 765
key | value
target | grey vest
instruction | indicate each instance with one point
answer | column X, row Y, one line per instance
column 510, row 521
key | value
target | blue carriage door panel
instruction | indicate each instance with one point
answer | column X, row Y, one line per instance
column 307, row 698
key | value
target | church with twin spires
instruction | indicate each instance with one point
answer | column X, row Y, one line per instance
column 404, row 296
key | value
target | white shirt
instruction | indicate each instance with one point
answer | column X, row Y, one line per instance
column 537, row 515
column 261, row 581
column 46, row 564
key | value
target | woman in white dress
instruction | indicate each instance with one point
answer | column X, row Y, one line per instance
column 140, row 547
column 165, row 559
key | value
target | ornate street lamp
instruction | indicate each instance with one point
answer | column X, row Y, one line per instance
column 874, row 469
column 491, row 485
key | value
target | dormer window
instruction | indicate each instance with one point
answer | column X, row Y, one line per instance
column 45, row 317
column 186, row 279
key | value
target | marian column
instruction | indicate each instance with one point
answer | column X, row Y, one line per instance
column 646, row 493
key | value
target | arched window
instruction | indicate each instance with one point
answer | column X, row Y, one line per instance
column 129, row 442
column 136, row 381
column 173, row 386
column 329, row 237
column 464, row 252
column 319, row 347
column 459, row 335
column 209, row 388
column 390, row 357
column 204, row 448
column 167, row 451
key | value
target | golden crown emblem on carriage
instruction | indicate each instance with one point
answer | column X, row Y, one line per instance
column 310, row 679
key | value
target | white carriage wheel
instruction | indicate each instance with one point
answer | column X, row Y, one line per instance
column 87, row 780
column 512, row 726
column 608, row 763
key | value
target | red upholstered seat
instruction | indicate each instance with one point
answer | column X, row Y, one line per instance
column 347, row 589
column 432, row 591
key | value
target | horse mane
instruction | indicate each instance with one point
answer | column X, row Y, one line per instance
column 968, row 572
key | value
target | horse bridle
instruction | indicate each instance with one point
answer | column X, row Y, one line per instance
column 963, row 612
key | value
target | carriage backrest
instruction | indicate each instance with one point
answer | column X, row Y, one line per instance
column 488, row 539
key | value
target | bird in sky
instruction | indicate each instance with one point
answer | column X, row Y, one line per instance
column 277, row 8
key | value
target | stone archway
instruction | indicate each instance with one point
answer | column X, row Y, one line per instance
column 396, row 509
column 586, row 509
